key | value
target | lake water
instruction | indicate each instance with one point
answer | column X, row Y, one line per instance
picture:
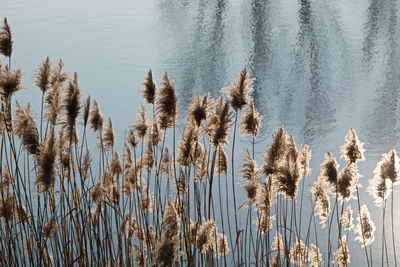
column 320, row 66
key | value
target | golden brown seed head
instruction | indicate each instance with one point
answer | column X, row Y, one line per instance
column 150, row 87
column 200, row 109
column 220, row 124
column 141, row 125
column 352, row 150
column 239, row 91
column 10, row 82
column 167, row 102
column 250, row 122
column 96, row 117
column 46, row 158
column 6, row 42
column 108, row 135
column 25, row 128
column 43, row 75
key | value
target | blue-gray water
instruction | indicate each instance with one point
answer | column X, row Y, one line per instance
column 321, row 66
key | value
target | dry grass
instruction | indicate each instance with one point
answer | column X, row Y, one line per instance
column 146, row 206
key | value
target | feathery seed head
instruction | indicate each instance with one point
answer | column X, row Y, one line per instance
column 150, row 87
column 43, row 75
column 239, row 91
column 352, row 150
column 6, row 42
column 250, row 122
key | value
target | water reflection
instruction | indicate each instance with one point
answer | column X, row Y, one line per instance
column 260, row 58
column 384, row 127
column 307, row 86
column 373, row 25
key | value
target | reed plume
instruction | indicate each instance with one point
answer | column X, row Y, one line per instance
column 166, row 103
column 199, row 110
column 46, row 158
column 58, row 75
column 206, row 235
column 150, row 88
column 239, row 91
column 352, row 150
column 348, row 181
column 329, row 169
column 10, row 82
column 50, row 229
column 7, row 204
column 287, row 176
column 299, row 254
column 276, row 152
column 25, row 128
column 304, row 160
column 250, row 123
column 6, row 42
column 53, row 103
column 249, row 168
column 347, row 219
column 277, row 244
column 342, row 255
column 166, row 249
column 86, row 111
column 219, row 124
column 108, row 135
column 187, row 146
column 96, row 118
column 132, row 139
column 43, row 75
column 365, row 227
column 222, row 245
column 315, row 257
column 222, row 162
column 141, row 125
column 321, row 198
column 72, row 106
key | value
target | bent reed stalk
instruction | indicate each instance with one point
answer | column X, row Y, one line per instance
column 146, row 206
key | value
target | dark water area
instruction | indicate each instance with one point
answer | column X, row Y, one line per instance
column 320, row 66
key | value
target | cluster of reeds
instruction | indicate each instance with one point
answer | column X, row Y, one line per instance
column 64, row 204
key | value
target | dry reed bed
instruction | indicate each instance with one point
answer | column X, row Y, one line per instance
column 147, row 205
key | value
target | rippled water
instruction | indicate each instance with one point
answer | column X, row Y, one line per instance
column 321, row 66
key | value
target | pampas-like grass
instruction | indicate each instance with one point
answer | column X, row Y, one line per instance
column 352, row 150
column 25, row 128
column 347, row 219
column 222, row 245
column 342, row 255
column 6, row 42
column 150, row 87
column 321, row 198
column 329, row 169
column 276, row 152
column 141, row 125
column 166, row 251
column 10, row 82
column 72, row 107
column 277, row 244
column 249, row 168
column 220, row 124
column 53, row 103
column 43, row 75
column 239, row 91
column 199, row 110
column 299, row 254
column 250, row 123
column 206, row 235
column 86, row 111
column 166, row 102
column 108, row 135
column 315, row 257
column 365, row 227
column 348, row 181
column 96, row 118
column 187, row 146
column 46, row 158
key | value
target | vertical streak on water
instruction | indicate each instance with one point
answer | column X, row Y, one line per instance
column 384, row 128
column 260, row 58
